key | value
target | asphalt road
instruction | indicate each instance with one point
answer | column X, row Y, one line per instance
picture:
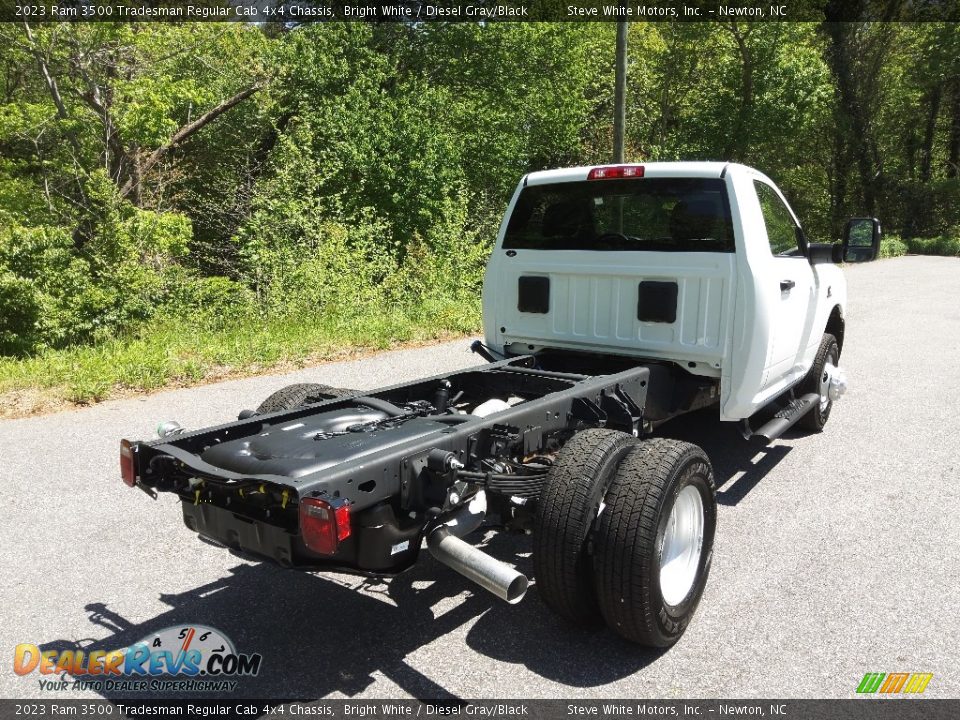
column 836, row 554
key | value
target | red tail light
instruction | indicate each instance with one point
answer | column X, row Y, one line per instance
column 611, row 172
column 324, row 524
column 127, row 470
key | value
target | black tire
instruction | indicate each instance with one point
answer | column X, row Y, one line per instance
column 293, row 396
column 829, row 352
column 630, row 536
column 566, row 512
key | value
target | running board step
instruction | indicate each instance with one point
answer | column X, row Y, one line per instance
column 786, row 417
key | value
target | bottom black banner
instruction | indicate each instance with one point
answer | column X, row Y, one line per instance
column 854, row 709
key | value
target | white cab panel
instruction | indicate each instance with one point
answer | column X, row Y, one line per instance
column 594, row 304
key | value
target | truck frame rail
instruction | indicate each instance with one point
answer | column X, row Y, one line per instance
column 401, row 460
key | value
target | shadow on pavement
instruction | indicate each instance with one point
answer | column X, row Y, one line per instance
column 738, row 465
column 318, row 636
column 531, row 635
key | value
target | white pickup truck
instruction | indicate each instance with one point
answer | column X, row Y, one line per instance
column 616, row 298
column 702, row 264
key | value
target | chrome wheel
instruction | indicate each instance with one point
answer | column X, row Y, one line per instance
column 832, row 383
column 682, row 545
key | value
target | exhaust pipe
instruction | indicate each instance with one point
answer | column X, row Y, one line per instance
column 474, row 564
column 445, row 544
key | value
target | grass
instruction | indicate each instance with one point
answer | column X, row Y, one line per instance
column 181, row 352
column 176, row 352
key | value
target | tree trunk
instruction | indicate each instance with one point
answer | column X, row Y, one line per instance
column 842, row 151
column 917, row 221
column 183, row 133
column 856, row 54
column 929, row 133
column 953, row 151
column 738, row 143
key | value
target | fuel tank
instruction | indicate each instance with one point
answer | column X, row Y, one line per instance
column 317, row 442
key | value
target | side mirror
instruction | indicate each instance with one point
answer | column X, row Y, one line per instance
column 861, row 240
column 825, row 253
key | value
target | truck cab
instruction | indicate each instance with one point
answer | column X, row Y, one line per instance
column 703, row 265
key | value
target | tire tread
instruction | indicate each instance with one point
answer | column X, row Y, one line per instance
column 813, row 421
column 292, row 396
column 564, row 518
column 625, row 562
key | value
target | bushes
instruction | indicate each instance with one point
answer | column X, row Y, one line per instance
column 303, row 261
column 892, row 246
column 211, row 302
column 363, row 217
column 323, row 270
column 19, row 314
column 63, row 288
column 948, row 244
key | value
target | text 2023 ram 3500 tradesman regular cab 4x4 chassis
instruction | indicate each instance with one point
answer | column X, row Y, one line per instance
column 616, row 298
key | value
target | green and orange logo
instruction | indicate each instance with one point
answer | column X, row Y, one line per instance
column 890, row 683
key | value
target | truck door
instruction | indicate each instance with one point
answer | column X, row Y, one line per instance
column 789, row 287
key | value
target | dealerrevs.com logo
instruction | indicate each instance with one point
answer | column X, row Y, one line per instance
column 176, row 659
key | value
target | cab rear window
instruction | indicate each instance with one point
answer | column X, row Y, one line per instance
column 659, row 214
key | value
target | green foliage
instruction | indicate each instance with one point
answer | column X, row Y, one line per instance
column 948, row 245
column 349, row 178
column 212, row 302
column 892, row 246
column 20, row 310
column 125, row 272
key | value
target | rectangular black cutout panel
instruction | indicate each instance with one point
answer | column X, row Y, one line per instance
column 533, row 294
column 657, row 302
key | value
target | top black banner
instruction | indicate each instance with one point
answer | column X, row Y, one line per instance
column 464, row 709
column 294, row 12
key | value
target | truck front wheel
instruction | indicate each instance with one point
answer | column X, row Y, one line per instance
column 818, row 381
column 654, row 541
column 572, row 496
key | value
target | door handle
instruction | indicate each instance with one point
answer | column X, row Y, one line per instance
column 787, row 285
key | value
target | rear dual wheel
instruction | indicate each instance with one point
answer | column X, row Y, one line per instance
column 624, row 534
column 572, row 497
column 655, row 541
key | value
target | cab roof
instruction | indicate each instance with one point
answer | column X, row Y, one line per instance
column 650, row 169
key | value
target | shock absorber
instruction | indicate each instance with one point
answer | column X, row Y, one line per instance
column 442, row 396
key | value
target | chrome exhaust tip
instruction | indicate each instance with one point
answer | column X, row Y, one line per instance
column 474, row 564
